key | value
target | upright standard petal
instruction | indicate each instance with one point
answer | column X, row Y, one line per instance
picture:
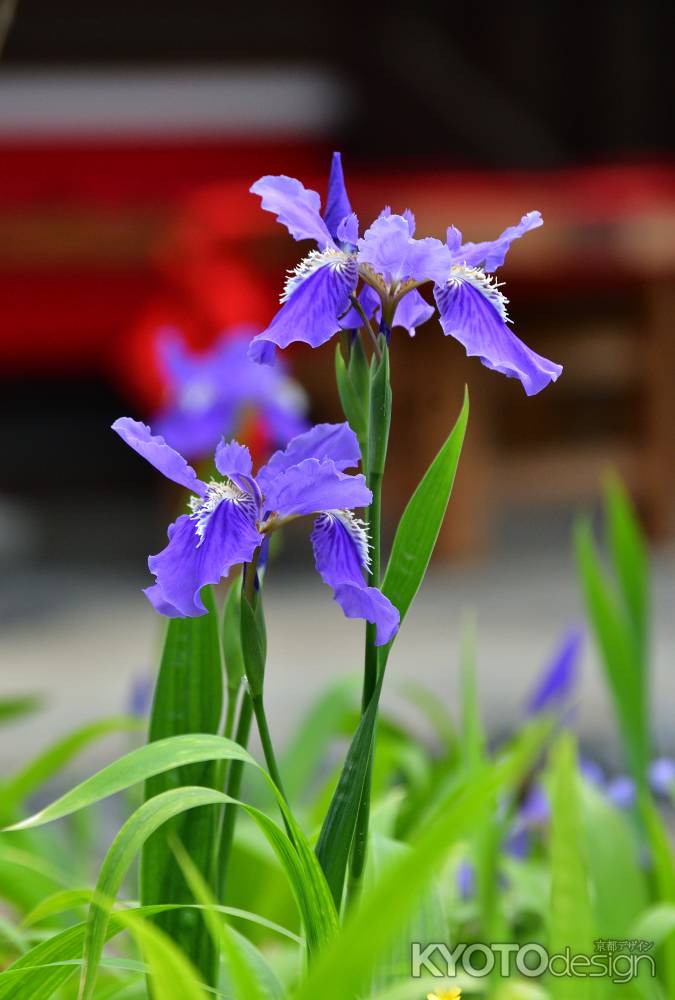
column 317, row 296
column 473, row 311
column 341, row 554
column 312, row 486
column 201, row 552
column 295, row 206
column 233, row 459
column 491, row 253
column 157, row 452
column 337, row 199
column 335, row 442
column 391, row 251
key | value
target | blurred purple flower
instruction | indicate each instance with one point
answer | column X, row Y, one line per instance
column 662, row 776
column 232, row 517
column 392, row 263
column 209, row 392
column 559, row 678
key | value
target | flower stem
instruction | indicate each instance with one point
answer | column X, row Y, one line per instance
column 266, row 741
column 360, row 845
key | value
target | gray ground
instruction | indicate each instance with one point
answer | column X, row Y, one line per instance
column 88, row 637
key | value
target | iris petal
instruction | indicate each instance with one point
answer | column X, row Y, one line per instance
column 335, row 442
column 491, row 253
column 312, row 312
column 471, row 318
column 296, row 207
column 340, row 554
column 337, row 199
column 158, row 453
column 390, row 250
column 312, row 486
column 189, row 563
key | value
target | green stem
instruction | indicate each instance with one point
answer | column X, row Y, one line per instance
column 360, row 845
column 266, row 740
column 233, row 789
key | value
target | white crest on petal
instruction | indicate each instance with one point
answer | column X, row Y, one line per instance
column 357, row 531
column 311, row 263
column 216, row 492
column 484, row 283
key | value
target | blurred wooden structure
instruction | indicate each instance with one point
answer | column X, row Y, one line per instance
column 594, row 289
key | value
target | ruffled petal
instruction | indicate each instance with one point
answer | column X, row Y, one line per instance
column 337, row 199
column 390, row 250
column 325, row 442
column 233, row 459
column 191, row 560
column 311, row 313
column 295, row 206
column 412, row 311
column 473, row 312
column 341, row 553
column 491, row 253
column 312, row 486
column 157, row 452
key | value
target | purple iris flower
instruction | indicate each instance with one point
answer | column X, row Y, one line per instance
column 560, row 676
column 211, row 391
column 230, row 518
column 391, row 263
column 662, row 776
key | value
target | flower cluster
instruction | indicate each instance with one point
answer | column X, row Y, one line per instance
column 322, row 294
column 210, row 393
column 231, row 518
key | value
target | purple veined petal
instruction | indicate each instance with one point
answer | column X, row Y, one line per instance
column 340, row 548
column 312, row 486
column 348, row 230
column 453, row 239
column 621, row 791
column 295, row 206
column 335, row 442
column 391, row 251
column 473, row 311
column 560, row 676
column 196, row 434
column 412, row 311
column 491, row 253
column 157, row 452
column 202, row 548
column 318, row 295
column 662, row 776
column 233, row 459
column 370, row 303
column 337, row 199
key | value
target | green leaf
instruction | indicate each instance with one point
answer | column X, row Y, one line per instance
column 188, row 699
column 629, row 556
column 571, row 921
column 338, row 828
column 421, row 522
column 619, row 651
column 232, row 651
column 343, row 968
column 57, row 756
column 126, row 845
